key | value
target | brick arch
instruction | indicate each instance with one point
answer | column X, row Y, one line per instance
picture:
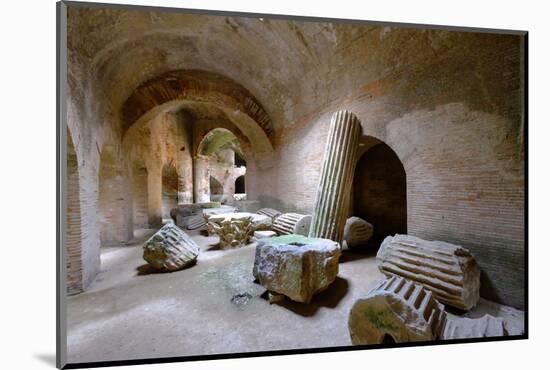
column 73, row 238
column 207, row 89
column 200, row 148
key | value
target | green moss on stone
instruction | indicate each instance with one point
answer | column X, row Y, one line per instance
column 380, row 318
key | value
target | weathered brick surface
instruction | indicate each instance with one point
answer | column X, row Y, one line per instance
column 463, row 156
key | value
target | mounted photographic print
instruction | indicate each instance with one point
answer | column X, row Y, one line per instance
column 235, row 184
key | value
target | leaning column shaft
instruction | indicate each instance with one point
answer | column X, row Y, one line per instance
column 330, row 212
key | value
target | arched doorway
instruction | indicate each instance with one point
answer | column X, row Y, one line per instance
column 169, row 189
column 239, row 185
column 380, row 191
column 220, row 160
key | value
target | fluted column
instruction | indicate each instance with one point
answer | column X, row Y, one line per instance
column 333, row 192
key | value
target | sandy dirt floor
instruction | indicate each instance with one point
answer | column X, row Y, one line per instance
column 131, row 312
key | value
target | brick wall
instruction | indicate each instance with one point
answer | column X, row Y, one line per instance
column 456, row 125
column 139, row 196
column 74, row 232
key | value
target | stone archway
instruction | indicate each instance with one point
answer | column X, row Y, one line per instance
column 196, row 89
column 380, row 190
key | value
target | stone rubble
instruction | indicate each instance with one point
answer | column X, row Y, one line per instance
column 396, row 310
column 296, row 266
column 449, row 271
column 170, row 249
column 357, row 232
column 292, row 223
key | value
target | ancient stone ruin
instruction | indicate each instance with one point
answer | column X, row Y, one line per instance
column 464, row 327
column 292, row 223
column 296, row 266
column 357, row 232
column 448, row 270
column 397, row 310
column 303, row 149
column 270, row 212
column 170, row 249
column 184, row 214
column 331, row 201
column 236, row 229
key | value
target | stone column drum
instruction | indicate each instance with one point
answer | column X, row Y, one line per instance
column 331, row 201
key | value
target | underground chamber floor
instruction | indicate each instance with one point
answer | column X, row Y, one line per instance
column 213, row 307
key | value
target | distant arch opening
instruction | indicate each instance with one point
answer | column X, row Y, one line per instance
column 380, row 191
column 239, row 160
column 222, row 161
column 239, row 185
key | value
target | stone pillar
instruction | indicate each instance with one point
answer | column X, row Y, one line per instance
column 333, row 192
column 185, row 178
column 201, row 180
column 154, row 199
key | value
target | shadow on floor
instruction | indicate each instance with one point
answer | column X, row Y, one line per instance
column 213, row 247
column 349, row 255
column 147, row 269
column 328, row 298
column 47, row 358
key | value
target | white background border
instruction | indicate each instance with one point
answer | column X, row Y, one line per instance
column 28, row 180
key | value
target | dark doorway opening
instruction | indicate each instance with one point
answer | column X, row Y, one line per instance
column 380, row 192
column 388, row 339
column 239, row 161
column 239, row 185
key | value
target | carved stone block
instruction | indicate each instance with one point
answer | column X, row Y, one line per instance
column 296, row 266
column 292, row 223
column 397, row 310
column 448, row 270
column 170, row 249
